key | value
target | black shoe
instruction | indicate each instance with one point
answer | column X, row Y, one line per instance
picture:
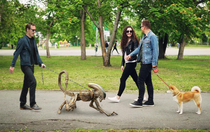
column 136, row 104
column 25, row 107
column 148, row 103
column 36, row 107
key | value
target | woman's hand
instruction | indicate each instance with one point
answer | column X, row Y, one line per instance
column 128, row 57
column 122, row 68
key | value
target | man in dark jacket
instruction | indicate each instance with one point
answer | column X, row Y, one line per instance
column 29, row 56
column 106, row 45
column 115, row 47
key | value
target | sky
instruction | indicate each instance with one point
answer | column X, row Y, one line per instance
column 27, row 2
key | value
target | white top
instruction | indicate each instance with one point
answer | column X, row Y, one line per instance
column 128, row 61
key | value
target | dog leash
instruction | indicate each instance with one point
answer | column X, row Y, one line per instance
column 162, row 80
column 63, row 76
column 42, row 76
column 155, row 70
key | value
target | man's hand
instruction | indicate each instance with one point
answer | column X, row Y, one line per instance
column 128, row 57
column 43, row 66
column 155, row 69
column 11, row 69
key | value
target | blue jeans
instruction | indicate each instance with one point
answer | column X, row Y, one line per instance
column 29, row 82
column 145, row 78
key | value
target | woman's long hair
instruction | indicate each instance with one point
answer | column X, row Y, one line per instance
column 124, row 39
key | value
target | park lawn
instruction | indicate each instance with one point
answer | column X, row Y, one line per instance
column 184, row 74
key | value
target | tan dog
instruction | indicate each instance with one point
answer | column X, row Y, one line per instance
column 181, row 97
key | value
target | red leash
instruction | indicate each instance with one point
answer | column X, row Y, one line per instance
column 155, row 70
column 163, row 80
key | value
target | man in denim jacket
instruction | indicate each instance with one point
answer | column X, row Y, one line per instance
column 148, row 52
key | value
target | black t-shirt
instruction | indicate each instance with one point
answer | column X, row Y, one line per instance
column 32, row 51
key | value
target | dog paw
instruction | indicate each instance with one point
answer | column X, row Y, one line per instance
column 198, row 112
column 177, row 111
column 180, row 113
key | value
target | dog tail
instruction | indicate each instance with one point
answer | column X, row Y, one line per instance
column 196, row 89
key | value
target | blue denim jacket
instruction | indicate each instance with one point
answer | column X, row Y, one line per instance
column 150, row 49
column 23, row 49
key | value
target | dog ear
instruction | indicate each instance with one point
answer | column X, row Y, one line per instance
column 171, row 87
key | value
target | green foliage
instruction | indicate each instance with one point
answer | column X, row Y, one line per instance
column 175, row 18
column 62, row 17
column 14, row 17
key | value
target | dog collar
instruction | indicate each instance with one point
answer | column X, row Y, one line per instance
column 176, row 94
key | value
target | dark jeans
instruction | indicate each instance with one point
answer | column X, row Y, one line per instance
column 115, row 49
column 29, row 82
column 145, row 77
column 128, row 71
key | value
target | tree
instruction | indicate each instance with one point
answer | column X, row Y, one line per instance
column 174, row 20
column 189, row 19
column 104, row 10
column 56, row 11
column 101, row 9
column 120, row 7
column 14, row 16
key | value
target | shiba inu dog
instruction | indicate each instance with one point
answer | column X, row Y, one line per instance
column 181, row 97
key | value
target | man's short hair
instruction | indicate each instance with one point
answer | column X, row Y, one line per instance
column 29, row 25
column 146, row 23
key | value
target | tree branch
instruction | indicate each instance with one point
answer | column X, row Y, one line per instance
column 91, row 17
column 52, row 22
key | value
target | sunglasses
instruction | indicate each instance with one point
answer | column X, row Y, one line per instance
column 34, row 30
column 129, row 31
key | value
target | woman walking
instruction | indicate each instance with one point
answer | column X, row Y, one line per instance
column 129, row 43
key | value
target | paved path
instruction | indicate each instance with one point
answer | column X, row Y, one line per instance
column 91, row 52
column 162, row 116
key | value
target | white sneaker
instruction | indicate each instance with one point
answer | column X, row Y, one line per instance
column 145, row 98
column 114, row 99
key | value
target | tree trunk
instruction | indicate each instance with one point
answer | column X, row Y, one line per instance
column 47, row 44
column 165, row 44
column 101, row 33
column 48, row 37
column 114, row 31
column 83, row 51
column 106, row 58
column 181, row 49
column 161, row 55
column 1, row 11
column 162, row 46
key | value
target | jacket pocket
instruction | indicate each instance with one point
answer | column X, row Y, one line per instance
column 147, row 43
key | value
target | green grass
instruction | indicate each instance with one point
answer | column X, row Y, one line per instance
column 184, row 74
column 197, row 46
